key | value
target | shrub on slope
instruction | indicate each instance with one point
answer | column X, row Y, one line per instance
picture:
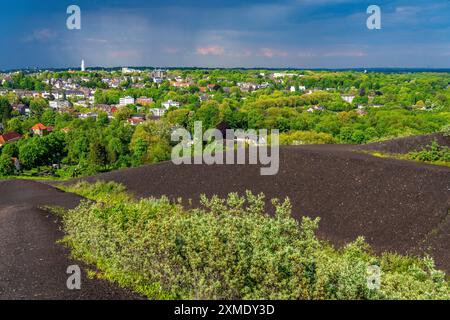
column 231, row 249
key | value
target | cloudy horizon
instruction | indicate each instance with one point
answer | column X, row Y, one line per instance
column 264, row 33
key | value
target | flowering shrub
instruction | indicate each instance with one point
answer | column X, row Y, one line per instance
column 232, row 249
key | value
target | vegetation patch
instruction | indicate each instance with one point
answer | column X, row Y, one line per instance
column 231, row 249
column 306, row 137
column 433, row 154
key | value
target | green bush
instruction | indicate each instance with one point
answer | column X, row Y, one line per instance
column 306, row 137
column 446, row 131
column 232, row 249
column 434, row 153
column 6, row 165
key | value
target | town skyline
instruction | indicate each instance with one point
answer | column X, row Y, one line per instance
column 85, row 68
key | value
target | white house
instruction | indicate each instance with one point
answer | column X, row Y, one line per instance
column 126, row 70
column 126, row 101
column 251, row 140
column 282, row 75
column 158, row 112
column 348, row 98
column 170, row 103
column 88, row 115
column 53, row 104
column 75, row 94
column 59, row 104
column 316, row 108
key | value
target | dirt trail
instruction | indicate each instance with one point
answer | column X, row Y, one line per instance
column 32, row 264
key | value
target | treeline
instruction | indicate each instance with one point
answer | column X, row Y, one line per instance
column 347, row 126
column 81, row 147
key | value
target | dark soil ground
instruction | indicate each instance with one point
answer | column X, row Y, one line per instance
column 406, row 145
column 32, row 264
column 397, row 205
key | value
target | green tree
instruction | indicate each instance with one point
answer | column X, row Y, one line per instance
column 15, row 125
column 32, row 152
column 38, row 106
column 5, row 110
column 98, row 155
column 48, row 117
column 139, row 152
column 6, row 165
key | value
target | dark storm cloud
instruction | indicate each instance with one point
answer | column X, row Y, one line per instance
column 295, row 33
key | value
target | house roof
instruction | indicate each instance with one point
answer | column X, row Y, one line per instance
column 135, row 120
column 39, row 126
column 9, row 137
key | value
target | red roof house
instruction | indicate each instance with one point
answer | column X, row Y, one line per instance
column 40, row 130
column 9, row 137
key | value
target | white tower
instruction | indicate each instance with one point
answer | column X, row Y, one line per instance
column 82, row 66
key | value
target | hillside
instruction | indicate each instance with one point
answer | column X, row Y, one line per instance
column 407, row 144
column 397, row 205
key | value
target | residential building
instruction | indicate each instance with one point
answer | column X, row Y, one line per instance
column 158, row 73
column 205, row 97
column 316, row 108
column 9, row 137
column 126, row 101
column 282, row 75
column 136, row 119
column 158, row 80
column 78, row 94
column 40, row 130
column 248, row 87
column 20, row 108
column 126, row 70
column 59, row 104
column 88, row 115
column 170, row 103
column 348, row 98
column 158, row 112
column 144, row 101
column 178, row 84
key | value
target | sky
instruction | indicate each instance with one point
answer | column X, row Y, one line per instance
column 225, row 33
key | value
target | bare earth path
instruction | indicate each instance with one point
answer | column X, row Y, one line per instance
column 32, row 264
